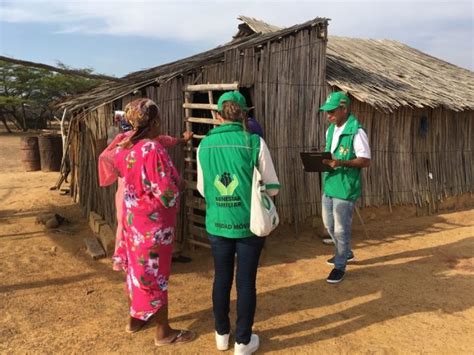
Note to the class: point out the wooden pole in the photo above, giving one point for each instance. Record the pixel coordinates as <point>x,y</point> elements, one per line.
<point>189,156</point>
<point>212,87</point>
<point>63,132</point>
<point>200,106</point>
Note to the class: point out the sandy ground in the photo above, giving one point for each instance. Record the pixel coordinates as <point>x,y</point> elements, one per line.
<point>410,291</point>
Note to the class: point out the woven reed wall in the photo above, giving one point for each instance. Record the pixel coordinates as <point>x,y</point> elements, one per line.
<point>419,156</point>
<point>286,82</point>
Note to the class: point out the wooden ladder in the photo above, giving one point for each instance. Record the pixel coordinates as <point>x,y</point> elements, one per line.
<point>195,205</point>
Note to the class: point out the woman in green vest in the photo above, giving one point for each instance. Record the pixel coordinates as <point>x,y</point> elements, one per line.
<point>225,161</point>
<point>348,143</point>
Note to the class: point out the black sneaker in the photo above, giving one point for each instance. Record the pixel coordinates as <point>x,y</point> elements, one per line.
<point>349,259</point>
<point>335,276</point>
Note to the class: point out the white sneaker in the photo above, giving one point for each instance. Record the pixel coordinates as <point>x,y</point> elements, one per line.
<point>250,348</point>
<point>222,341</point>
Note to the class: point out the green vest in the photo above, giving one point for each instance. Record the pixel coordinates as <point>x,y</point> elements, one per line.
<point>227,156</point>
<point>343,182</point>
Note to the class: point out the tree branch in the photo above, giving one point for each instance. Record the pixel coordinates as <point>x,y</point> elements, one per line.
<point>59,70</point>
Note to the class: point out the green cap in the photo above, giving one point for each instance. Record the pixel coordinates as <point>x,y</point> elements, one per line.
<point>232,96</point>
<point>335,100</point>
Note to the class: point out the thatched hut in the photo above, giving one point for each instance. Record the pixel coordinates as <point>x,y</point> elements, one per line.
<point>418,111</point>
<point>282,74</point>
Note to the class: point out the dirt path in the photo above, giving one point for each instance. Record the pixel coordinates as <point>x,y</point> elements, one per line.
<point>411,289</point>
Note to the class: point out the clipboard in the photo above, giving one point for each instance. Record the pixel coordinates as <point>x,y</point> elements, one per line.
<point>313,161</point>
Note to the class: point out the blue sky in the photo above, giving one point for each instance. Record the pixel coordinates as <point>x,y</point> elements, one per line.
<point>118,37</point>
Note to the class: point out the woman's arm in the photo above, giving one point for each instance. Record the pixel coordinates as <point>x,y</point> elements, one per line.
<point>107,170</point>
<point>200,176</point>
<point>267,170</point>
<point>169,141</point>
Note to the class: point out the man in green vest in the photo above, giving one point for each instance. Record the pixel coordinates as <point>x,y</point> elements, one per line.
<point>348,144</point>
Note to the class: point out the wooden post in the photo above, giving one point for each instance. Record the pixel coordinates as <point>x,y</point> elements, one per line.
<point>63,134</point>
<point>189,158</point>
<point>200,106</point>
<point>211,102</point>
<point>24,117</point>
<point>211,87</point>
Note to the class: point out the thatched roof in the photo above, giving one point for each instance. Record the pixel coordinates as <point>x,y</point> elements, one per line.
<point>382,73</point>
<point>388,74</point>
<point>251,25</point>
<point>111,91</point>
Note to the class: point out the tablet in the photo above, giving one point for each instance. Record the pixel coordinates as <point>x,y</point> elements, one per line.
<point>313,161</point>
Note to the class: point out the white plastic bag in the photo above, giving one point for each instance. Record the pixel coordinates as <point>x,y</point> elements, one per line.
<point>263,214</point>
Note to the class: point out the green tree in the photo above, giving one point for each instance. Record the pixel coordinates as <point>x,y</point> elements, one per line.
<point>26,93</point>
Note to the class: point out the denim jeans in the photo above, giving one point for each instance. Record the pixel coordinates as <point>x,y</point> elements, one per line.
<point>337,218</point>
<point>224,251</point>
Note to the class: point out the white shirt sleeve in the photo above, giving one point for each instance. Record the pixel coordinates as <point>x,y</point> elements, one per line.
<point>200,178</point>
<point>361,144</point>
<point>267,170</point>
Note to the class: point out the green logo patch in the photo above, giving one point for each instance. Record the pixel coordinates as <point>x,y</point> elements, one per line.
<point>226,184</point>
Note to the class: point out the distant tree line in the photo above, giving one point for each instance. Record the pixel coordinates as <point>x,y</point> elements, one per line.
<point>27,93</point>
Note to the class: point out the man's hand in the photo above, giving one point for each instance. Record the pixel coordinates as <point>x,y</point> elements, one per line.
<point>354,163</point>
<point>332,163</point>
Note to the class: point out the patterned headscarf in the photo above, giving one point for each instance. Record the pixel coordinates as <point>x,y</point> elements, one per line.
<point>137,112</point>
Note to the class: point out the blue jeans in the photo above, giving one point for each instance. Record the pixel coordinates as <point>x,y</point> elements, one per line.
<point>337,218</point>
<point>248,252</point>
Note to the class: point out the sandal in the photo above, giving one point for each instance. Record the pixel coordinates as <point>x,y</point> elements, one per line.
<point>183,336</point>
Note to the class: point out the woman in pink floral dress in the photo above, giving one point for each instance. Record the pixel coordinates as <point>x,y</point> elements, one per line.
<point>108,174</point>
<point>151,196</point>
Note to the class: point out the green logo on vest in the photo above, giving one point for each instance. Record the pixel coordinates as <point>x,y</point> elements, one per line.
<point>226,184</point>
<point>266,202</point>
<point>343,150</point>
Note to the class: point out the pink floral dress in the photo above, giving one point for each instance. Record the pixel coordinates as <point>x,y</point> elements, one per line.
<point>108,174</point>
<point>149,213</point>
